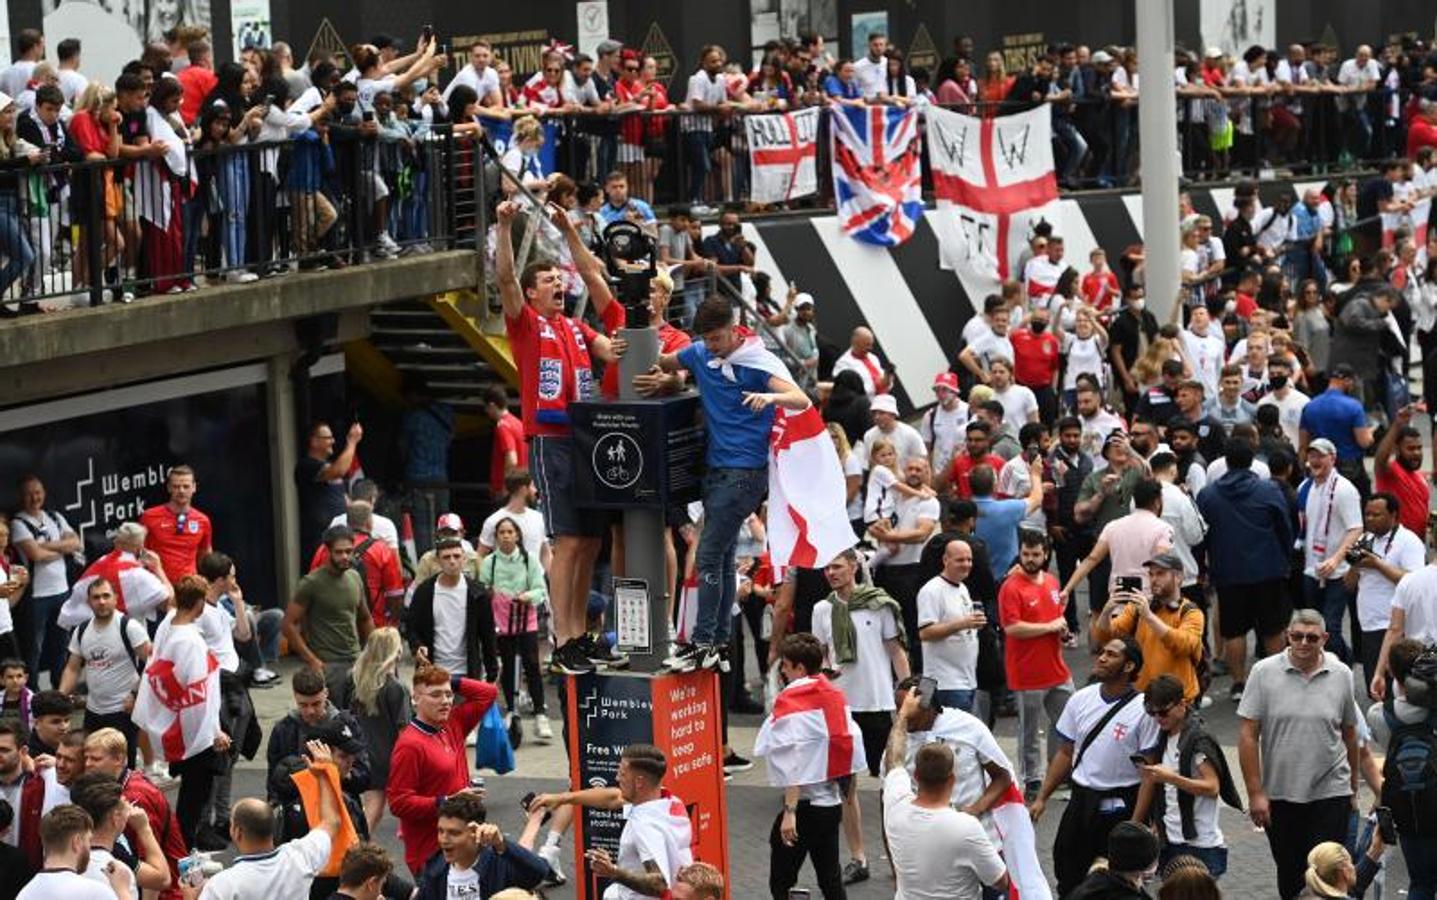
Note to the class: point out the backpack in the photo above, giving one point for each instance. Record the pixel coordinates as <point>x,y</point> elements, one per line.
<point>1203,670</point>
<point>1409,774</point>
<point>357,563</point>
<point>124,640</point>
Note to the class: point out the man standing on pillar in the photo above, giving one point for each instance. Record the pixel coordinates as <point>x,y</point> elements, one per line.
<point>552,354</point>
<point>739,384</point>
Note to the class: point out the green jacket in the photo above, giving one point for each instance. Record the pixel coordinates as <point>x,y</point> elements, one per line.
<point>864,596</point>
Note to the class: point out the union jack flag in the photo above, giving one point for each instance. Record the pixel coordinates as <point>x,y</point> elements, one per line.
<point>877,179</point>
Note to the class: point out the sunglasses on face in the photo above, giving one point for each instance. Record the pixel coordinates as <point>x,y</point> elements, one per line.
<point>1304,637</point>
<point>1159,712</point>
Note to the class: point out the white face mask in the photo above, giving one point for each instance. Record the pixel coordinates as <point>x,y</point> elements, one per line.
<point>1230,306</point>
<point>1138,305</point>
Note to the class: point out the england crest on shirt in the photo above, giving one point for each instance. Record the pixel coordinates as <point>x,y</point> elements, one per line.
<point>194,527</point>
<point>551,378</point>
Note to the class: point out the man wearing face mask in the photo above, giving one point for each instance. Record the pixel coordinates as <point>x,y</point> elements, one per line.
<point>1290,402</point>
<point>1133,329</point>
<point>1036,360</point>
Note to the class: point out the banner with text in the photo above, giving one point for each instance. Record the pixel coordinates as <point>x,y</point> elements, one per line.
<point>993,180</point>
<point>783,152</point>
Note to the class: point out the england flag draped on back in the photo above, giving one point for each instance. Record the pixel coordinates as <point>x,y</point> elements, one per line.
<point>810,737</point>
<point>877,177</point>
<point>993,180</point>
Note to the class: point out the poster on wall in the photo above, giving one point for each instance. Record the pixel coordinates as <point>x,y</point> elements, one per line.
<point>113,32</point>
<point>1235,25</point>
<point>250,25</point>
<point>593,18</point>
<point>774,19</point>
<point>861,25</point>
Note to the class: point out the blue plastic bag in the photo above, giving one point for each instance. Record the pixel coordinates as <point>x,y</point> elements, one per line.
<point>491,748</point>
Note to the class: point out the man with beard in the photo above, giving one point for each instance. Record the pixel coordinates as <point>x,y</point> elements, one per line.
<point>1102,728</point>
<point>1398,465</point>
<point>1071,540</point>
<point>975,453</point>
<point>1097,422</point>
<point>1157,402</point>
<point>1385,553</point>
<point>1192,468</point>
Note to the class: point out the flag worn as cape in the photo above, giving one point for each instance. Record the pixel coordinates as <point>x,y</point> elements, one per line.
<point>810,737</point>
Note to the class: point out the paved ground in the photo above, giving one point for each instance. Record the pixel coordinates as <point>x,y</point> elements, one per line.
<point>752,805</point>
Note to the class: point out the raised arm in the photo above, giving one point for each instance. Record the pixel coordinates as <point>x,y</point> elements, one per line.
<point>510,294</point>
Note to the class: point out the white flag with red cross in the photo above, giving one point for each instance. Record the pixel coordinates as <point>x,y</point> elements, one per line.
<point>993,180</point>
<point>782,154</point>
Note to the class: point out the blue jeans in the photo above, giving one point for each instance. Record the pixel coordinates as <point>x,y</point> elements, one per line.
<point>234,188</point>
<point>268,625</point>
<point>1215,858</point>
<point>730,496</point>
<point>697,145</point>
<point>1420,853</point>
<point>1331,599</point>
<point>14,245</point>
<point>956,699</point>
<point>1075,147</point>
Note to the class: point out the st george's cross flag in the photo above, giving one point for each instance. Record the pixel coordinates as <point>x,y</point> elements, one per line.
<point>806,489</point>
<point>783,155</point>
<point>810,737</point>
<point>178,703</point>
<point>877,175</point>
<point>993,179</point>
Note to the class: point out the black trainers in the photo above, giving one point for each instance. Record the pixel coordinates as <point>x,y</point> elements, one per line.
<point>599,652</point>
<point>570,659</point>
<point>686,657</point>
<point>735,763</point>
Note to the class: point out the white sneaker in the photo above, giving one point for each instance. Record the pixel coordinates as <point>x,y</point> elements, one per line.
<point>265,676</point>
<point>550,855</point>
<point>241,276</point>
<point>159,775</point>
<point>386,243</point>
<point>542,731</point>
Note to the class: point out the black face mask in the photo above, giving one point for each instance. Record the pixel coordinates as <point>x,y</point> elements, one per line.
<point>344,109</point>
<point>1038,325</point>
<point>1277,382</point>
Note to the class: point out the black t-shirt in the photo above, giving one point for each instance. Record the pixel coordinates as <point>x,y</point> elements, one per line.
<point>132,126</point>
<point>319,501</point>
<point>1373,192</point>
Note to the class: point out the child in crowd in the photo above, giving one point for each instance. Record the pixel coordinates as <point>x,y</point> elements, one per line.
<point>516,581</point>
<point>1100,286</point>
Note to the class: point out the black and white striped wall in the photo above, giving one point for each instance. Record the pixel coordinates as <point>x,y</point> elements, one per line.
<point>915,309</point>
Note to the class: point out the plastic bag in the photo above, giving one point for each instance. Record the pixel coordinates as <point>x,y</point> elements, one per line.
<point>492,749</point>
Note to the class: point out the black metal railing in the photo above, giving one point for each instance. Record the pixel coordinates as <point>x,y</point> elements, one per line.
<point>112,230</point>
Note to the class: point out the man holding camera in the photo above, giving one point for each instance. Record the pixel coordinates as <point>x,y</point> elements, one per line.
<point>1167,627</point>
<point>1384,553</point>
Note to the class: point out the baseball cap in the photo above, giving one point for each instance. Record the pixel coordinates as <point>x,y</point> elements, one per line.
<point>803,300</point>
<point>1102,56</point>
<point>1214,53</point>
<point>946,380</point>
<point>884,403</point>
<point>340,736</point>
<point>1323,446</point>
<point>1165,560</point>
<point>449,522</point>
<point>1340,370</point>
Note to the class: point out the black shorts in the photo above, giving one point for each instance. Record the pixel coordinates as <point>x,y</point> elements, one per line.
<point>1264,607</point>
<point>551,459</point>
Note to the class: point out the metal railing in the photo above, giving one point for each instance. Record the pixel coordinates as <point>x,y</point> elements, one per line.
<point>674,155</point>
<point>101,231</point>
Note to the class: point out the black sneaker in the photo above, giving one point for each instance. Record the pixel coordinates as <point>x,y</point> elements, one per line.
<point>570,659</point>
<point>601,653</point>
<point>735,763</point>
<point>1235,692</point>
<point>685,658</point>
<point>714,657</point>
<point>209,840</point>
<point>855,872</point>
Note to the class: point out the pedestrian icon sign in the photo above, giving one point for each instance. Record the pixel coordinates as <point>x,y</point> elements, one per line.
<point>618,460</point>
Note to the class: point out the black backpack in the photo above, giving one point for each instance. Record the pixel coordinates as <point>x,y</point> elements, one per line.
<point>356,562</point>
<point>124,640</point>
<point>1409,774</point>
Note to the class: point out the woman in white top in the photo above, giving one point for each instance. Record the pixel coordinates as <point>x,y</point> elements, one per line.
<point>13,579</point>
<point>1085,351</point>
<point>1065,301</point>
<point>376,77</point>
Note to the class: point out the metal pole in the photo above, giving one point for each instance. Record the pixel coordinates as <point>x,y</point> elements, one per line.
<point>644,528</point>
<point>1157,130</point>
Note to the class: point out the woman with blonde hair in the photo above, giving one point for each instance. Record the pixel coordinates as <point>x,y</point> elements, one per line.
<point>380,701</point>
<point>852,475</point>
<point>1148,370</point>
<point>1332,874</point>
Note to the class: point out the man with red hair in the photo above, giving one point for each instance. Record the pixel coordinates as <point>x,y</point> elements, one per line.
<point>429,763</point>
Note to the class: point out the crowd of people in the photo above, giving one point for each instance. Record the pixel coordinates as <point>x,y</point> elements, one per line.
<point>167,178</point>
<point>1234,493</point>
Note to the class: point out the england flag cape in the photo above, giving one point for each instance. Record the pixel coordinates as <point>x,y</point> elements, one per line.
<point>1008,816</point>
<point>807,496</point>
<point>179,698</point>
<point>667,820</point>
<point>138,593</point>
<point>810,737</point>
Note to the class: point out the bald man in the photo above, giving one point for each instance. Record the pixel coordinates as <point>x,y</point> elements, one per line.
<point>860,357</point>
<point>949,620</point>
